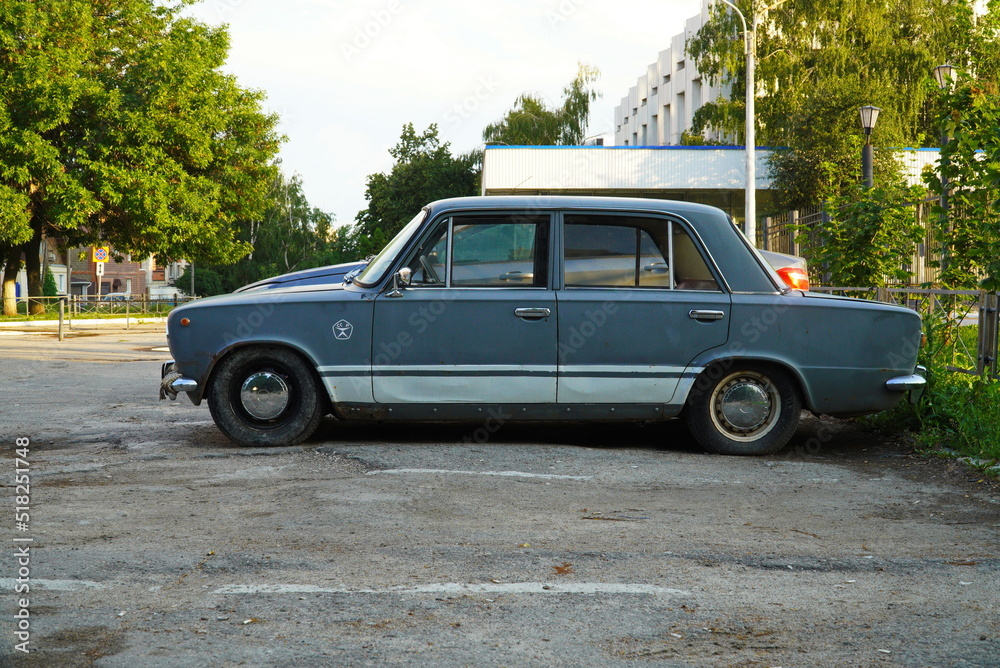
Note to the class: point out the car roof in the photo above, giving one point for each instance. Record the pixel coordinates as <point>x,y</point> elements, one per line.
<point>739,265</point>
<point>575,202</point>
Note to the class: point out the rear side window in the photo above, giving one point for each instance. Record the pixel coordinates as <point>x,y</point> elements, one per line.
<point>631,251</point>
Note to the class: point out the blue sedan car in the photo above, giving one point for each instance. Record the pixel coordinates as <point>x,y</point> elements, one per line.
<point>545,308</point>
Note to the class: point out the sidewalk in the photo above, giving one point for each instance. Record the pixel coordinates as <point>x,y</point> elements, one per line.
<point>147,323</point>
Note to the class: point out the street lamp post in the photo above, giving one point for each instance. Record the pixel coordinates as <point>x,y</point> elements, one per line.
<point>944,75</point>
<point>750,209</point>
<point>869,117</point>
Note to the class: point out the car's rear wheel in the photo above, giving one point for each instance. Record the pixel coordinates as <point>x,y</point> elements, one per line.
<point>265,396</point>
<point>744,410</point>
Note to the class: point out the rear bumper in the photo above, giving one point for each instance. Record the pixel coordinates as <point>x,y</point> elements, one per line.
<point>914,383</point>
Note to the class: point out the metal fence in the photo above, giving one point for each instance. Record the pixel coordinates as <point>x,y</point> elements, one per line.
<point>65,309</point>
<point>798,231</point>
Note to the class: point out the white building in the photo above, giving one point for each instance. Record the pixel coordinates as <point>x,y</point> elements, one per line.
<point>659,108</point>
<point>714,175</point>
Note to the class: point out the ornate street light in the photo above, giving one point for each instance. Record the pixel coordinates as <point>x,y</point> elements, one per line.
<point>869,117</point>
<point>944,75</point>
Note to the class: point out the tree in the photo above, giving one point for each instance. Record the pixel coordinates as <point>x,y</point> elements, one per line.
<point>969,231</point>
<point>117,126</point>
<point>870,236</point>
<point>425,170</point>
<point>532,123</point>
<point>818,61</point>
<point>291,235</point>
<point>49,288</point>
<point>207,282</point>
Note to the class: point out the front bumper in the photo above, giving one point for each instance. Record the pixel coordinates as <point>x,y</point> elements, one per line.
<point>914,383</point>
<point>172,382</point>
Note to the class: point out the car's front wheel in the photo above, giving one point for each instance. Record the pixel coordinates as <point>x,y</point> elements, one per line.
<point>743,410</point>
<point>265,396</point>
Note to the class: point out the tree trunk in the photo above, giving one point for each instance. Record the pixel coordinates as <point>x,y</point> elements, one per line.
<point>11,259</point>
<point>33,267</point>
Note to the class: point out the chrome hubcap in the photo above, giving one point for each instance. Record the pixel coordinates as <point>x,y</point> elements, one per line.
<point>745,405</point>
<point>264,395</point>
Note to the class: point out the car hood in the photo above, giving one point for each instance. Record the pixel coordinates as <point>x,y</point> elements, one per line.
<point>333,273</point>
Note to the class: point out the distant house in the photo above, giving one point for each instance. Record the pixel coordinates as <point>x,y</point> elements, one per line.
<point>75,273</point>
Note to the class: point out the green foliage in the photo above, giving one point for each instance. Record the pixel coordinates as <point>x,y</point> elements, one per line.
<point>957,411</point>
<point>291,235</point>
<point>49,288</point>
<point>207,282</point>
<point>532,123</point>
<point>689,138</point>
<point>970,232</point>
<point>818,61</point>
<point>117,125</point>
<point>869,237</point>
<point>424,171</point>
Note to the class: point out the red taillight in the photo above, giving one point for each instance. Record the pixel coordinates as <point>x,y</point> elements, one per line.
<point>795,277</point>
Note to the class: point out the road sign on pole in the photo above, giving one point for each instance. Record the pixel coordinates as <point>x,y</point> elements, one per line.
<point>101,253</point>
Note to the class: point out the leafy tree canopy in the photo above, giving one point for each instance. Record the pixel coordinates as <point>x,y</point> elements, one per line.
<point>290,236</point>
<point>532,123</point>
<point>118,126</point>
<point>818,61</point>
<point>424,171</point>
<point>969,229</point>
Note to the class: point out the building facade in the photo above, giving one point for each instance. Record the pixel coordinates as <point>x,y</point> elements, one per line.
<point>659,108</point>
<point>714,175</point>
<point>75,274</point>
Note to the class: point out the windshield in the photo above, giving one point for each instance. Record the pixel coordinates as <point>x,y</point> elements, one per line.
<point>376,269</point>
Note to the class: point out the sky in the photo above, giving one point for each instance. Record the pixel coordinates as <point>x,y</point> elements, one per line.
<point>344,77</point>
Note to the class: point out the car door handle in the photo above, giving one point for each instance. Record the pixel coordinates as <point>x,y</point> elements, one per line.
<point>657,268</point>
<point>706,315</point>
<point>517,276</point>
<point>532,313</point>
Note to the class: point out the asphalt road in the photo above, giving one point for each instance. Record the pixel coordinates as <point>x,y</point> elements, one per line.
<point>156,542</point>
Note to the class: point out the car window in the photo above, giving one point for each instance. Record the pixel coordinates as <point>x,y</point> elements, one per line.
<point>483,251</point>
<point>615,251</point>
<point>690,270</point>
<point>429,260</point>
<point>498,251</point>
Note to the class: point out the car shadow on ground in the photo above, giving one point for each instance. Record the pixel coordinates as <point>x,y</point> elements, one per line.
<point>815,438</point>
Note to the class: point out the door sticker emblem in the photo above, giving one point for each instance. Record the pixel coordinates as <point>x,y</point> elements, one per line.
<point>342,330</point>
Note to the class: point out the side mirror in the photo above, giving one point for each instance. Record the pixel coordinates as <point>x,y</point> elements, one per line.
<point>400,279</point>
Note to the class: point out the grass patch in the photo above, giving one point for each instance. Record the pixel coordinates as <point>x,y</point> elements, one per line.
<point>959,412</point>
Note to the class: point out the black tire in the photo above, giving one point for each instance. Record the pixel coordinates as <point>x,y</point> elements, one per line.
<point>747,409</point>
<point>281,406</point>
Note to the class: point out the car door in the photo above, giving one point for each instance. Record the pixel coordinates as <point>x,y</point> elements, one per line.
<point>477,322</point>
<point>637,303</point>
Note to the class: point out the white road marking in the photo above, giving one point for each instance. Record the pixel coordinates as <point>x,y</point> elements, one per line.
<point>464,588</point>
<point>502,474</point>
<point>54,585</point>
